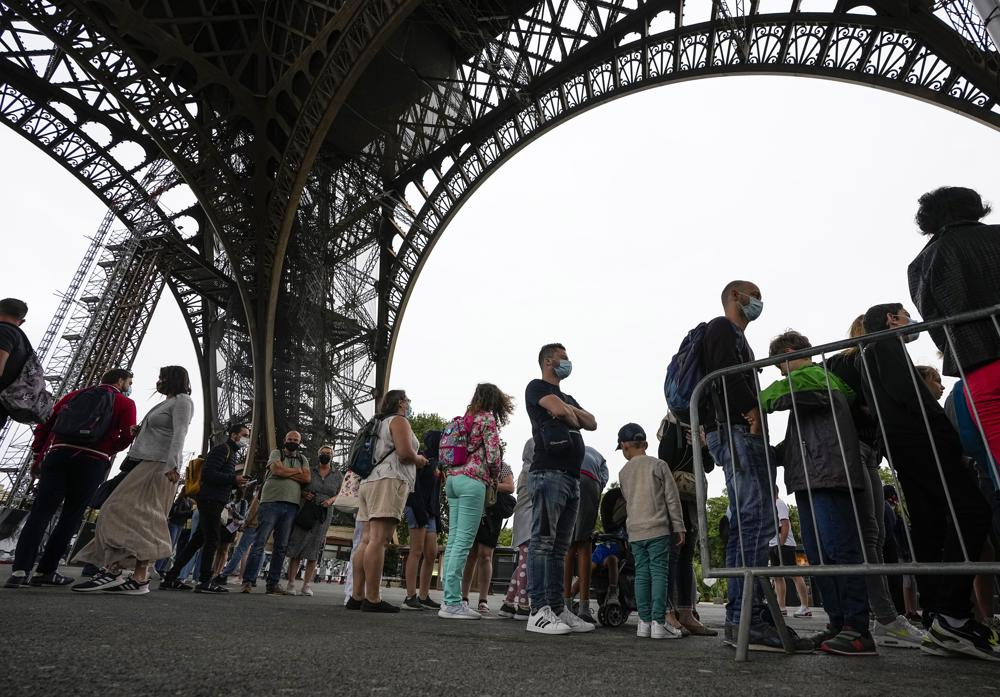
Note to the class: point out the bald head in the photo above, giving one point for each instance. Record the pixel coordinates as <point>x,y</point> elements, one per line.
<point>292,441</point>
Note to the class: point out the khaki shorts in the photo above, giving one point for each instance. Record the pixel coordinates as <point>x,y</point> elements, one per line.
<point>383,498</point>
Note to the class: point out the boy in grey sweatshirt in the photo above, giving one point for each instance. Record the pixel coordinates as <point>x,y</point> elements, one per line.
<point>654,515</point>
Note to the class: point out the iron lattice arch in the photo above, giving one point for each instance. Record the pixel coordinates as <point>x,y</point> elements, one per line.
<point>323,147</point>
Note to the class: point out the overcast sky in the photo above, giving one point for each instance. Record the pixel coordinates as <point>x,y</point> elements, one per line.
<point>613,234</point>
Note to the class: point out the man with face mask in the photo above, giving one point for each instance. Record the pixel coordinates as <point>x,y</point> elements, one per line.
<point>308,543</point>
<point>218,479</point>
<point>554,483</point>
<point>734,432</point>
<point>70,472</point>
<point>287,472</point>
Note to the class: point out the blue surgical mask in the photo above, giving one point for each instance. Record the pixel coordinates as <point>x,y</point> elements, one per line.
<point>753,308</point>
<point>409,411</point>
<point>128,391</point>
<point>564,369</point>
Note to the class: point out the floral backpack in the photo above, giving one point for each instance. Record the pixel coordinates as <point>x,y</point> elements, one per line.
<point>454,448</point>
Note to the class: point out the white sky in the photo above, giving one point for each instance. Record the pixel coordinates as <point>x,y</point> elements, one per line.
<point>613,234</point>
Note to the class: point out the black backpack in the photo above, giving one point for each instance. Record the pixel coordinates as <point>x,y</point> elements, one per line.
<point>85,419</point>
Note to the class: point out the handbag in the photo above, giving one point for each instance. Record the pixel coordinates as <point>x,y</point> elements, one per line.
<point>685,484</point>
<point>310,515</point>
<point>348,500</point>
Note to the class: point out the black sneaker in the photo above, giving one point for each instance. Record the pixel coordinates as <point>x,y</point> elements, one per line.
<point>819,637</point>
<point>584,614</point>
<point>507,611</point>
<point>17,579</point>
<point>276,589</point>
<point>380,606</point>
<point>971,638</point>
<point>850,643</point>
<point>412,603</point>
<point>764,637</point>
<point>130,587</point>
<point>220,580</point>
<point>353,604</point>
<point>522,613</point>
<point>53,579</point>
<point>210,587</point>
<point>104,579</point>
<point>429,604</point>
<point>173,584</point>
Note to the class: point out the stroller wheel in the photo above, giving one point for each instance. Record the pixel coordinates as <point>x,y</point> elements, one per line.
<point>602,617</point>
<point>614,615</point>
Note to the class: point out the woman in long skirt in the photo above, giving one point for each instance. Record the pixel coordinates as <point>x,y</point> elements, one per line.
<point>132,526</point>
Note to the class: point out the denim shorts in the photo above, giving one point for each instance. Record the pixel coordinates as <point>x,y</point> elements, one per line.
<point>411,521</point>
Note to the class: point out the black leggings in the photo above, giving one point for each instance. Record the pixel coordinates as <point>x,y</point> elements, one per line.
<point>206,538</point>
<point>680,583</point>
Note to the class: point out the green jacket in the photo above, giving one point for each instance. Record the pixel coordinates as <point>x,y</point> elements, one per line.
<point>821,444</point>
<point>810,377</point>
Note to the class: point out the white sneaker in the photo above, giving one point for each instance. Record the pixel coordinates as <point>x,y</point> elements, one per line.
<point>664,631</point>
<point>899,633</point>
<point>574,622</point>
<point>306,591</point>
<point>544,621</point>
<point>644,630</point>
<point>461,611</point>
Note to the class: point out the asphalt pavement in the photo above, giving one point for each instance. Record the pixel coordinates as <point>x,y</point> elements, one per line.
<point>171,643</point>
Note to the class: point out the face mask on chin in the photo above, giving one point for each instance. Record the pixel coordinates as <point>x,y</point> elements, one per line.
<point>291,446</point>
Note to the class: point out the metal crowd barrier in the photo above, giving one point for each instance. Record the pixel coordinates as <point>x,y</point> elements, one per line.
<point>752,575</point>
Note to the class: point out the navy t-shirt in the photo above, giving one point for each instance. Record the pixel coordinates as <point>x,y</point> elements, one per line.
<point>13,342</point>
<point>568,462</point>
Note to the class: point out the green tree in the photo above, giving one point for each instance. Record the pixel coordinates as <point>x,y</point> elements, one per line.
<point>422,423</point>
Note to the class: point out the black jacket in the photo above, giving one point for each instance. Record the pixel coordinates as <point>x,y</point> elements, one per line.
<point>724,345</point>
<point>814,433</point>
<point>959,271</point>
<point>845,367</point>
<point>218,473</point>
<point>426,497</point>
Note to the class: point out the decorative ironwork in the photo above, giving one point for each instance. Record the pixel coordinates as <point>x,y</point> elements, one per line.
<point>326,145</point>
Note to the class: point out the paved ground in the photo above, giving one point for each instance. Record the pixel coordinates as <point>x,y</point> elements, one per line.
<point>168,643</point>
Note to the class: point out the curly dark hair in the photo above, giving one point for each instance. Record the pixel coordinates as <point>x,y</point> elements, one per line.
<point>948,205</point>
<point>489,397</point>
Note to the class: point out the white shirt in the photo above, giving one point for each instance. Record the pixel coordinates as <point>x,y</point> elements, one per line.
<point>782,516</point>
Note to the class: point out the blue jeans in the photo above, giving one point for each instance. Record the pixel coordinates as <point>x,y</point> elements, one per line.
<point>163,564</point>
<point>466,497</point>
<point>555,498</point>
<point>652,562</point>
<point>189,568</point>
<point>246,540</point>
<point>277,517</point>
<point>835,534</point>
<point>751,507</point>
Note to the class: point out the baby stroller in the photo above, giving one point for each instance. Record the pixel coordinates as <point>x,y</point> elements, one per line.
<point>613,515</point>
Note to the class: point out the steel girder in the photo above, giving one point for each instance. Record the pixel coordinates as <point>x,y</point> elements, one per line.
<point>466,129</point>
<point>323,246</point>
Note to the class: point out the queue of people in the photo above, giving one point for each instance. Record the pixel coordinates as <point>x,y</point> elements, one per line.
<point>849,413</point>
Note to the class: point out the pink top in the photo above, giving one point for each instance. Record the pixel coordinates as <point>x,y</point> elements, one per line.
<point>484,462</point>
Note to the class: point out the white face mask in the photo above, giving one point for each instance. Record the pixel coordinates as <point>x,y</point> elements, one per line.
<point>243,442</point>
